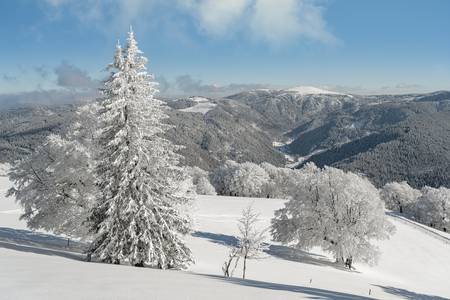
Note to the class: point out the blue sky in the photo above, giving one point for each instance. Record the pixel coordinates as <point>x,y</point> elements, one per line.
<point>196,46</point>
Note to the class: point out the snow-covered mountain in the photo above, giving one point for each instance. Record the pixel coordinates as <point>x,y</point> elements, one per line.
<point>369,134</point>
<point>310,90</point>
<point>286,109</point>
<point>36,265</point>
<point>365,134</point>
<point>300,90</point>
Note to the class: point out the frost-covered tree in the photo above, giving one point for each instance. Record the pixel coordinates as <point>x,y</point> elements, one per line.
<point>55,184</point>
<point>248,180</point>
<point>433,207</point>
<point>221,177</point>
<point>138,217</point>
<point>400,196</point>
<point>200,180</point>
<point>245,179</point>
<point>250,237</point>
<point>282,182</point>
<point>233,256</point>
<point>250,242</point>
<point>204,187</point>
<point>336,210</point>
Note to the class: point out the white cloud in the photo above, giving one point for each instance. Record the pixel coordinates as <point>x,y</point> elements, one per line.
<point>72,77</point>
<point>272,21</point>
<point>108,16</point>
<point>278,21</point>
<point>400,88</point>
<point>186,85</point>
<point>216,17</point>
<point>46,97</point>
<point>56,2</point>
<point>275,20</point>
<point>312,24</point>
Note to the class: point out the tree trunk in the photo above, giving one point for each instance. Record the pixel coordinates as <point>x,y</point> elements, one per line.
<point>226,271</point>
<point>139,264</point>
<point>245,267</point>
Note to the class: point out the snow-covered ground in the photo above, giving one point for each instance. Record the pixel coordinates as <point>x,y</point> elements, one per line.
<point>203,105</point>
<point>415,264</point>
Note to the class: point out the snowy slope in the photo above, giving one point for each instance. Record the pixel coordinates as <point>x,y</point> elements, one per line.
<point>414,264</point>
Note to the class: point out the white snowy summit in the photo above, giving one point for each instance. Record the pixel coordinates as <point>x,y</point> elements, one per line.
<point>310,90</point>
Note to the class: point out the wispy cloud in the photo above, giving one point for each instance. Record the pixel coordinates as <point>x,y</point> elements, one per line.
<point>45,97</point>
<point>42,71</point>
<point>274,22</point>
<point>216,17</point>
<point>56,2</point>
<point>72,77</point>
<point>400,88</point>
<point>186,85</point>
<point>8,78</point>
<point>284,20</point>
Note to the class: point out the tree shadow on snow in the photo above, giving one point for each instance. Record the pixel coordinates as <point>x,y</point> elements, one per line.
<point>279,251</point>
<point>309,292</point>
<point>222,239</point>
<point>297,255</point>
<point>39,243</point>
<point>405,294</point>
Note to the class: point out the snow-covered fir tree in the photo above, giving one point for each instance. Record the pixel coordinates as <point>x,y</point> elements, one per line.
<point>336,210</point>
<point>138,217</point>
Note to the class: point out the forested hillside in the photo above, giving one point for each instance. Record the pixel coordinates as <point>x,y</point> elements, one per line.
<point>386,137</point>
<point>23,129</point>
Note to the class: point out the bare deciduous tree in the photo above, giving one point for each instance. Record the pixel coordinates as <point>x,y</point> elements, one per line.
<point>250,242</point>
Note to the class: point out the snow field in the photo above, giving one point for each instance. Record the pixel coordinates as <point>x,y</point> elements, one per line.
<point>413,265</point>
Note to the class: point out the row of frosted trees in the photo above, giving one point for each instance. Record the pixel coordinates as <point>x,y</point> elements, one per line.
<point>430,206</point>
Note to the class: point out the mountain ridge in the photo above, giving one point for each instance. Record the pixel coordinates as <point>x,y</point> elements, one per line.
<point>355,133</point>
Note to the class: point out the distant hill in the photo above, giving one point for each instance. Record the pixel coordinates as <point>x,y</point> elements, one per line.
<point>23,129</point>
<point>386,137</point>
<point>392,141</point>
<point>229,130</point>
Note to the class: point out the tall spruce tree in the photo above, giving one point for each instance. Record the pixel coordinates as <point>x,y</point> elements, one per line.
<point>138,217</point>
